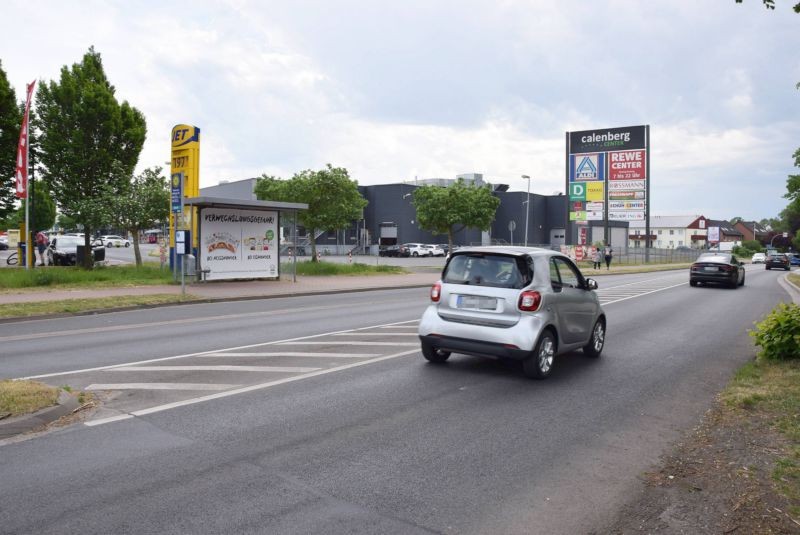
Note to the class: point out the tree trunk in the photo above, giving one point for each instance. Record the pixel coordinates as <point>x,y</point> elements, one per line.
<point>313,241</point>
<point>134,232</point>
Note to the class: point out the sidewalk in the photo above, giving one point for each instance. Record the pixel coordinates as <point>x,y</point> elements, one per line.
<point>232,290</point>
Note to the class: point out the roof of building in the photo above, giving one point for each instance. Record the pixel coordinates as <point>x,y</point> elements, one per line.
<point>725,227</point>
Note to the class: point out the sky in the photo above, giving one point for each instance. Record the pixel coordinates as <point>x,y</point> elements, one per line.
<point>395,91</point>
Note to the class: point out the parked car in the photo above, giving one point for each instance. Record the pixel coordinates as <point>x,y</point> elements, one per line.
<point>518,303</point>
<point>3,243</point>
<point>417,249</point>
<point>779,261</point>
<point>794,259</point>
<point>395,251</point>
<point>113,241</point>
<point>717,268</point>
<point>758,258</point>
<point>64,250</point>
<point>435,250</point>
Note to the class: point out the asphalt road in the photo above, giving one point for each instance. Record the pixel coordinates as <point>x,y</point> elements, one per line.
<point>390,445</point>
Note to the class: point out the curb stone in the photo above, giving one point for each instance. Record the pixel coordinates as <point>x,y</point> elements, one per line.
<point>28,422</point>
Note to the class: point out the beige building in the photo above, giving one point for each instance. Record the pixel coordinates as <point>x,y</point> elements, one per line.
<point>671,232</point>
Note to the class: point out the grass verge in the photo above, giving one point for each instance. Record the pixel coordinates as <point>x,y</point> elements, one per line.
<point>74,277</point>
<point>794,278</point>
<point>22,397</point>
<point>333,268</point>
<point>771,389</point>
<point>22,310</point>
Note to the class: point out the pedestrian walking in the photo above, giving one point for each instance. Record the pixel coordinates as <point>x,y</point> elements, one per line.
<point>41,245</point>
<point>608,253</point>
<point>595,258</point>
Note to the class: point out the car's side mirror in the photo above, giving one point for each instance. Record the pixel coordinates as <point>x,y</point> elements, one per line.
<point>591,284</point>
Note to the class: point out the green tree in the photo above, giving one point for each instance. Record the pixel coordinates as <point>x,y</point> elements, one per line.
<point>332,197</point>
<point>65,222</point>
<point>43,215</point>
<point>447,210</point>
<point>143,203</point>
<point>10,123</point>
<point>770,4</point>
<point>89,143</point>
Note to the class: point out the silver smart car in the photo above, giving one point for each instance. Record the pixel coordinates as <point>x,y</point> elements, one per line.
<point>520,303</point>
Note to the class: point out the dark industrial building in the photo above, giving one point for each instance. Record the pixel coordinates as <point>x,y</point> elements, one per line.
<point>390,207</point>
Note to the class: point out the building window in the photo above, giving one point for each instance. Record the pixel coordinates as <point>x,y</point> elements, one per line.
<point>671,232</point>
<point>680,242</point>
<point>659,231</point>
<point>702,223</point>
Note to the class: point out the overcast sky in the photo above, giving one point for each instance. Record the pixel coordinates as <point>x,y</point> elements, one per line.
<point>398,90</point>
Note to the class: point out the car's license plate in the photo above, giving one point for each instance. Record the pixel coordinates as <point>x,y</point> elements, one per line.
<point>476,302</point>
<point>710,268</point>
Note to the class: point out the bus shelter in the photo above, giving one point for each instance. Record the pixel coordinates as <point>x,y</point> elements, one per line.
<point>240,239</point>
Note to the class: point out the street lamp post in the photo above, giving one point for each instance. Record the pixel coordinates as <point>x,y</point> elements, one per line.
<point>527,207</point>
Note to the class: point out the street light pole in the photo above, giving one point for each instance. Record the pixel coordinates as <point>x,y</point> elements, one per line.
<point>527,207</point>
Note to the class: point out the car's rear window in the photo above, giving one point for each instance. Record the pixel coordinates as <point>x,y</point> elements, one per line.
<point>720,258</point>
<point>479,269</point>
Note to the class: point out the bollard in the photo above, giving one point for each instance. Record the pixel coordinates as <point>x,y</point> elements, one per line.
<point>350,258</point>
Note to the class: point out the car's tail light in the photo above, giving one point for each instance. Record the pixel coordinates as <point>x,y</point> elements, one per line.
<point>529,301</point>
<point>695,267</point>
<point>726,268</point>
<point>436,292</point>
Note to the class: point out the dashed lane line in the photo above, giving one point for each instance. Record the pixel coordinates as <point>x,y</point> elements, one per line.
<point>159,386</point>
<point>294,354</point>
<point>221,368</point>
<point>203,353</point>
<point>243,390</point>
<point>359,343</point>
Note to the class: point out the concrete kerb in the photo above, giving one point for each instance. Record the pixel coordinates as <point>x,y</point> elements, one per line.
<point>30,422</point>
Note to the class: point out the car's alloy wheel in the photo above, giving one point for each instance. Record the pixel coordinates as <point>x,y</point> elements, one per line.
<point>598,340</point>
<point>540,363</point>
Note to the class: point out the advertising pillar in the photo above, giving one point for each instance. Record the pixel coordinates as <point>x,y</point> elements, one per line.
<point>184,167</point>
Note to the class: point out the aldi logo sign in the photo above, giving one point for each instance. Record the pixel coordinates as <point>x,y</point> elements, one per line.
<point>587,167</point>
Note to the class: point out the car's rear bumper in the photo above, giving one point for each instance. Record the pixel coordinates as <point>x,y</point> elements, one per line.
<point>718,278</point>
<point>475,347</point>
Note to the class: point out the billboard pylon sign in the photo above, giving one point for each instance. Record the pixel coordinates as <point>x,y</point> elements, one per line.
<point>612,167</point>
<point>184,163</point>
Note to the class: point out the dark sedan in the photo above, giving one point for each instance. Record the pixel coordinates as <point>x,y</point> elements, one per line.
<point>64,250</point>
<point>719,268</point>
<point>778,261</point>
<point>395,251</point>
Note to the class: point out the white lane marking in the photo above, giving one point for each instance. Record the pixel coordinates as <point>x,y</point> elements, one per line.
<point>159,386</point>
<point>394,327</point>
<point>245,389</point>
<point>359,333</point>
<point>199,353</point>
<point>644,293</point>
<point>339,343</point>
<point>128,327</point>
<point>221,368</point>
<point>295,354</point>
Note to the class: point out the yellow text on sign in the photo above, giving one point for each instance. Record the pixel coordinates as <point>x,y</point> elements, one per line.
<point>594,191</point>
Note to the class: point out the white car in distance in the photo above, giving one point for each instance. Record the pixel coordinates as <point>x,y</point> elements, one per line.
<point>435,250</point>
<point>417,249</point>
<point>113,241</point>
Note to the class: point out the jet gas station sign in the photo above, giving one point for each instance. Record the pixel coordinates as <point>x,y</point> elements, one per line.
<point>608,169</point>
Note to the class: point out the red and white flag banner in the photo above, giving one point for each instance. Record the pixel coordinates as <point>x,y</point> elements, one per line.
<point>21,169</point>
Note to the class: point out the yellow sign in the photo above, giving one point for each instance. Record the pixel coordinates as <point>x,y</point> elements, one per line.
<point>185,142</point>
<point>594,191</point>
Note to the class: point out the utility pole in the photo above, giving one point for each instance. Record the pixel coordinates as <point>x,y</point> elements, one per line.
<point>527,207</point>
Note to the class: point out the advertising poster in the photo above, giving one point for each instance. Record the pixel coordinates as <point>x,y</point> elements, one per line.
<point>239,244</point>
<point>595,191</point>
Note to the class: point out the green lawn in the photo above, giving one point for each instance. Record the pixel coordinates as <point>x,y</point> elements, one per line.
<point>74,277</point>
<point>332,268</point>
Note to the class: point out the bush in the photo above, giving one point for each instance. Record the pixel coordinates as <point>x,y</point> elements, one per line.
<point>778,334</point>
